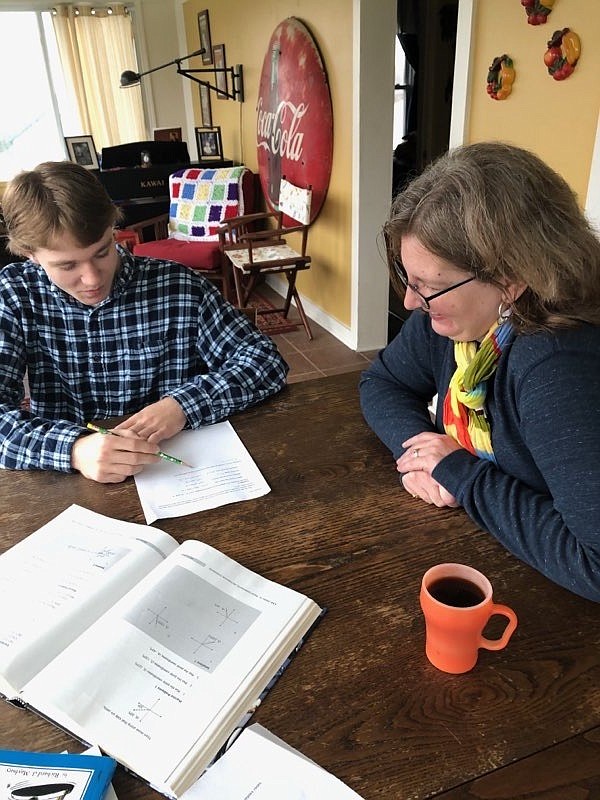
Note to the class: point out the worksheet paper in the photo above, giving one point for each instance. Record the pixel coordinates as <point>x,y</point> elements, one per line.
<point>221,471</point>
<point>260,766</point>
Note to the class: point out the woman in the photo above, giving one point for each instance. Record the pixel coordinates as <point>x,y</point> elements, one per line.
<point>502,272</point>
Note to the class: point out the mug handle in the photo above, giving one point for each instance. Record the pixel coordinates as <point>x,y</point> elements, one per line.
<point>498,644</point>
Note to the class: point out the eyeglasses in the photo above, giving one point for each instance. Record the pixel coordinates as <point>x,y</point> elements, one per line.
<point>403,277</point>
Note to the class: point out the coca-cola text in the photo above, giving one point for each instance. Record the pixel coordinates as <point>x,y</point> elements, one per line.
<point>278,131</point>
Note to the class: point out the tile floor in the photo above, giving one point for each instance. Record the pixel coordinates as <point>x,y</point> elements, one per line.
<point>324,355</point>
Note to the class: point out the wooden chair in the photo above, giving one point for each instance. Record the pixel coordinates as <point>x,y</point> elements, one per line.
<point>151,230</point>
<point>254,252</point>
<point>251,313</point>
<point>200,201</point>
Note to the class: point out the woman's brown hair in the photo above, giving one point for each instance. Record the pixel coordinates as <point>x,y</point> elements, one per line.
<point>503,215</point>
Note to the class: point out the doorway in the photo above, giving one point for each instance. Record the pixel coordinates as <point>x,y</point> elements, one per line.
<point>427,35</point>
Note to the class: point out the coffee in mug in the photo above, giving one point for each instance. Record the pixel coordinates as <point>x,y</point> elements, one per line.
<point>457,604</point>
<point>456,592</point>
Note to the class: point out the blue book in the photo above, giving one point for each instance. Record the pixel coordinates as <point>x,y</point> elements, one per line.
<point>54,776</point>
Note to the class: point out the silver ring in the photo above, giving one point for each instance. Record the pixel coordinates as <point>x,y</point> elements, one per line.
<point>416,452</point>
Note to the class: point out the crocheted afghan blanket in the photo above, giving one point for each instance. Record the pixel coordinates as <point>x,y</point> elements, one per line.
<point>201,199</point>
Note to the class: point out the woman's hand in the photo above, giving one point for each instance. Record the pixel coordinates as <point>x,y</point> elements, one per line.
<point>422,455</point>
<point>156,422</point>
<point>425,451</point>
<point>420,484</point>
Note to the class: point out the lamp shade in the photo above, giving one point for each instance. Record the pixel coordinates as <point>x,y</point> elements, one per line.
<point>129,78</point>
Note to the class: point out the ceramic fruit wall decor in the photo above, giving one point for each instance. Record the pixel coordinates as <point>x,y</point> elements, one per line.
<point>500,78</point>
<point>562,55</point>
<point>537,11</point>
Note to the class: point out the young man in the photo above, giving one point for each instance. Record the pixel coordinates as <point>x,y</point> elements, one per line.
<point>101,333</point>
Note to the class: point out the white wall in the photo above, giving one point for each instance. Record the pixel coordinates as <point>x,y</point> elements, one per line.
<point>156,30</point>
<point>373,80</point>
<point>592,205</point>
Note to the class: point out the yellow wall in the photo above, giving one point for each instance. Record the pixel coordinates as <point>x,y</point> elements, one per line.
<point>245,29</point>
<point>556,119</point>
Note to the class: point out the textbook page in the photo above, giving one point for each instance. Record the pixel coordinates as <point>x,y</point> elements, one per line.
<point>164,677</point>
<point>221,471</point>
<point>259,766</point>
<point>57,581</point>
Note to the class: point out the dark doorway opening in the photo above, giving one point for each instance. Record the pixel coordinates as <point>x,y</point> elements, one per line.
<point>427,33</point>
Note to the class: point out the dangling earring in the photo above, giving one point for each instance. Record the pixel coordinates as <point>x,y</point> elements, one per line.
<point>504,312</point>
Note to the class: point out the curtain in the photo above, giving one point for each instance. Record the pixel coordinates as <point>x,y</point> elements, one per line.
<point>95,48</point>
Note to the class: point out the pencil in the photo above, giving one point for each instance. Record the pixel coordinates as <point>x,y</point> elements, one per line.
<point>160,453</point>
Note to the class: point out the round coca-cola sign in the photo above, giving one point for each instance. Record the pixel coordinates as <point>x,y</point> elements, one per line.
<point>294,127</point>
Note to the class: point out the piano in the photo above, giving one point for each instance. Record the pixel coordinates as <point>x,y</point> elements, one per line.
<point>142,191</point>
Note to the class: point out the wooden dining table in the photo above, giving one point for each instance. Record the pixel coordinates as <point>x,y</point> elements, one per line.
<point>360,698</point>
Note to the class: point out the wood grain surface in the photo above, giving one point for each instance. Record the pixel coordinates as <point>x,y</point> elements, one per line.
<point>360,698</point>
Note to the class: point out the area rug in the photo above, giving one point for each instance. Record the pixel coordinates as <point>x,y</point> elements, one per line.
<point>271,324</point>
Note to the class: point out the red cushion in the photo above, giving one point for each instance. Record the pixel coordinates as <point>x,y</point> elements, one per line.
<point>197,255</point>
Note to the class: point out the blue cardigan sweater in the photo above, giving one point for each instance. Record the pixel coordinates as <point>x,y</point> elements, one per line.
<point>542,498</point>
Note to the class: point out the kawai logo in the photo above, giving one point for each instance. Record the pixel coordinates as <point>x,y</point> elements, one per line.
<point>294,124</point>
<point>152,184</point>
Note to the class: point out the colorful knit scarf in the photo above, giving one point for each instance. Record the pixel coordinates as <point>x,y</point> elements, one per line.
<point>464,405</point>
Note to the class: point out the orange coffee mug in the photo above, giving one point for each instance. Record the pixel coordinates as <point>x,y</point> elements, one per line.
<point>457,604</point>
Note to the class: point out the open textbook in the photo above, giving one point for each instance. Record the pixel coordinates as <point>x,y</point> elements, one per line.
<point>260,766</point>
<point>218,470</point>
<point>151,650</point>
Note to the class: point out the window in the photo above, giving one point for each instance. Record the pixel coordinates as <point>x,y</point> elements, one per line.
<point>39,101</point>
<point>31,127</point>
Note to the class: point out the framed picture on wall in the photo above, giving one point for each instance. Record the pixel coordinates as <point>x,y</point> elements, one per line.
<point>209,143</point>
<point>205,106</point>
<point>220,77</point>
<point>81,150</point>
<point>204,31</point>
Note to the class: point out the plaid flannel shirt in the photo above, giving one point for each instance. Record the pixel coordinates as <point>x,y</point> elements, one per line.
<point>163,331</point>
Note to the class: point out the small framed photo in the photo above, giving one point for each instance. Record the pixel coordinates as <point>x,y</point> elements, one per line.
<point>81,150</point>
<point>204,31</point>
<point>209,143</point>
<point>205,106</point>
<point>167,135</point>
<point>220,77</point>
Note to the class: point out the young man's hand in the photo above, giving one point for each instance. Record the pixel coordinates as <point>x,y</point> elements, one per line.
<point>156,422</point>
<point>110,459</point>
